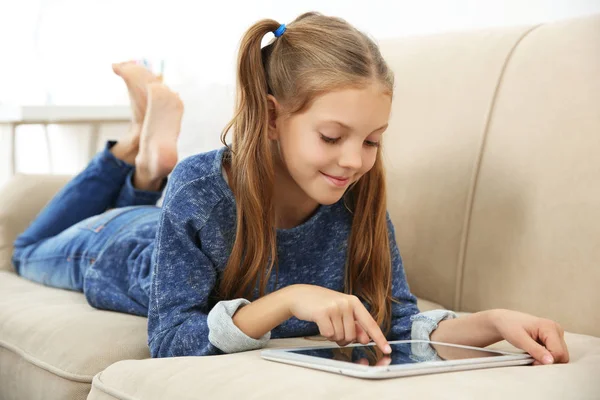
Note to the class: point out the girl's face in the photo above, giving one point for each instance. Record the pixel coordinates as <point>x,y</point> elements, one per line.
<point>334,142</point>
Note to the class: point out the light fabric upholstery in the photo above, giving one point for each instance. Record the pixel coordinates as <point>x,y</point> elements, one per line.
<point>443,97</point>
<point>52,342</point>
<point>21,379</point>
<point>534,235</point>
<point>247,376</point>
<point>21,199</point>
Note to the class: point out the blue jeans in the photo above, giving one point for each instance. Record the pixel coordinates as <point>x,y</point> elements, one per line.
<point>73,229</point>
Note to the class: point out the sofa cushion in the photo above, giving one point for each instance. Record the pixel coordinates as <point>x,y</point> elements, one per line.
<point>21,199</point>
<point>444,85</point>
<point>246,375</point>
<point>55,336</point>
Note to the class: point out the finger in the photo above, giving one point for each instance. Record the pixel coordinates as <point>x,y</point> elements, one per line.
<point>369,325</point>
<point>338,327</point>
<point>363,361</point>
<point>361,335</point>
<point>325,327</point>
<point>349,325</point>
<point>566,356</point>
<point>537,351</point>
<point>342,343</point>
<point>554,344</point>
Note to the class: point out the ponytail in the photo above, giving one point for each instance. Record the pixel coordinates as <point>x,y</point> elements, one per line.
<point>254,250</point>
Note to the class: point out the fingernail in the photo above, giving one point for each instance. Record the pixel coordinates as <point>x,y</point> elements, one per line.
<point>388,349</point>
<point>547,359</point>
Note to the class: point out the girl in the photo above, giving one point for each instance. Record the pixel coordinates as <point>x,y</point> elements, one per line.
<point>283,233</point>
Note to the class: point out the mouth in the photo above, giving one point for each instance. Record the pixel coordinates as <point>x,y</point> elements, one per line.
<point>338,181</point>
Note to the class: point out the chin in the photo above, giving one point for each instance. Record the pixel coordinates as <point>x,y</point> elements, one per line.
<point>326,197</point>
<point>328,201</point>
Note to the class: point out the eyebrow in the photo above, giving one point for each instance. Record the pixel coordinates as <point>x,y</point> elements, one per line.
<point>349,128</point>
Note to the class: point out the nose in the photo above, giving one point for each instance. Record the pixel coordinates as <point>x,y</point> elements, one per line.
<point>351,157</point>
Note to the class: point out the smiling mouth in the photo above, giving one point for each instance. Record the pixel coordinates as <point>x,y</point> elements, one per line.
<point>336,180</point>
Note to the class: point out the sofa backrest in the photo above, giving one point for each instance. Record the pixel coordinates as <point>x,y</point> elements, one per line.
<point>493,168</point>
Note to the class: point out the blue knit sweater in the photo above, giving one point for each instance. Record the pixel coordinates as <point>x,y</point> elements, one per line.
<point>174,266</point>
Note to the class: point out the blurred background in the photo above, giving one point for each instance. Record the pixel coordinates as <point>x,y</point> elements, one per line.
<point>57,54</point>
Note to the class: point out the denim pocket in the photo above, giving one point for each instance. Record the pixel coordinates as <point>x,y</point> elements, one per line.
<point>100,221</point>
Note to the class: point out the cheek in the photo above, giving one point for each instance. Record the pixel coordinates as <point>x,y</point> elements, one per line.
<point>312,151</point>
<point>302,153</point>
<point>369,161</point>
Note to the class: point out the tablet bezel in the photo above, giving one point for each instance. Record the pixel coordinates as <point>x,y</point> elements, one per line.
<point>377,372</point>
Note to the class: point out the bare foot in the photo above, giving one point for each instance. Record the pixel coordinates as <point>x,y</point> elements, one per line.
<point>157,155</point>
<point>137,78</point>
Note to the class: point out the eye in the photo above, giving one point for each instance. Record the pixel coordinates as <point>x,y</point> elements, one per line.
<point>328,139</point>
<point>371,143</point>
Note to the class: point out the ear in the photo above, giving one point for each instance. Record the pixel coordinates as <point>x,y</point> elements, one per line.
<point>274,109</point>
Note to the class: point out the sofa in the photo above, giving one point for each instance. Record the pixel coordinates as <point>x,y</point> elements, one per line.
<point>494,189</point>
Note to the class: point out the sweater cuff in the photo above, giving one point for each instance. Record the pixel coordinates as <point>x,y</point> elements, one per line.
<point>422,326</point>
<point>225,335</point>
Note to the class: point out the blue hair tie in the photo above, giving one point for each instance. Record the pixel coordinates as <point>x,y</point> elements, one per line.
<point>280,30</point>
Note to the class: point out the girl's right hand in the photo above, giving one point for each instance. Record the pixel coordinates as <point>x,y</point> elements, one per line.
<point>340,317</point>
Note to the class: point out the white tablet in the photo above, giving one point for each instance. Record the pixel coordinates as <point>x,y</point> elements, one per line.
<point>408,358</point>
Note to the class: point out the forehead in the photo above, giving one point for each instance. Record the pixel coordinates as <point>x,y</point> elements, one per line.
<point>359,108</point>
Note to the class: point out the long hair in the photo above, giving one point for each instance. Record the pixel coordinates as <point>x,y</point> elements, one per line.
<point>316,54</point>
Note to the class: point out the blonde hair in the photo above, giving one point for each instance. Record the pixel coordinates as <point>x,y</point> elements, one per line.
<point>316,54</point>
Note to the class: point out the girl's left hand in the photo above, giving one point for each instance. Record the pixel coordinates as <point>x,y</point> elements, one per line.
<point>531,334</point>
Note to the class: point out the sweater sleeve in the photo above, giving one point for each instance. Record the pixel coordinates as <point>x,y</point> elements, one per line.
<point>180,322</point>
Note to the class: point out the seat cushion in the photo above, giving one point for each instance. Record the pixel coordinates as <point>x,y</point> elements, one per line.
<point>246,375</point>
<point>52,342</point>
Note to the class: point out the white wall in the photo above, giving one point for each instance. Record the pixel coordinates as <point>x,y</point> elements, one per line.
<point>64,47</point>
<point>59,51</point>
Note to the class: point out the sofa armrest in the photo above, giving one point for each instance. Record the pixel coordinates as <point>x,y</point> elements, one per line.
<point>21,199</point>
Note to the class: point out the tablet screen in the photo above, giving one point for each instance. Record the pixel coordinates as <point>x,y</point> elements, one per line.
<point>402,353</point>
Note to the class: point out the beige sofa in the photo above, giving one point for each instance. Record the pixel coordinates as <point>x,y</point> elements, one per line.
<point>494,181</point>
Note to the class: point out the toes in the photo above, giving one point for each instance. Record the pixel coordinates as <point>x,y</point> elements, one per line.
<point>118,67</point>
